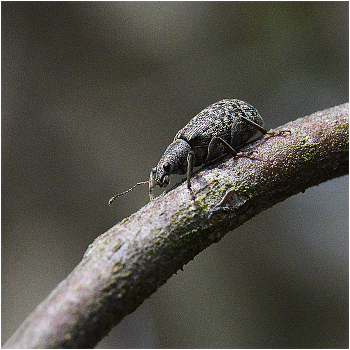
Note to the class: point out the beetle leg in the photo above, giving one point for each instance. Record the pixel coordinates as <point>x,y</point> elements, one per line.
<point>280,133</point>
<point>191,159</point>
<point>257,126</point>
<point>213,144</point>
<point>263,130</point>
<point>152,183</point>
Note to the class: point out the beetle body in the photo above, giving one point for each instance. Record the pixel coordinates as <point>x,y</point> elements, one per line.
<point>221,128</point>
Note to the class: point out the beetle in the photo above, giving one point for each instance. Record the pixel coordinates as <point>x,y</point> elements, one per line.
<point>223,127</point>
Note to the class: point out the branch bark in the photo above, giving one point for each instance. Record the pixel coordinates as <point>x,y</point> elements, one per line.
<point>126,264</point>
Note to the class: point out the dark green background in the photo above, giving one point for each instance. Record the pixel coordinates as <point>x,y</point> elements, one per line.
<point>92,93</point>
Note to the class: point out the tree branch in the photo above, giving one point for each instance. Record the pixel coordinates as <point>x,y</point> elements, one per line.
<point>126,264</point>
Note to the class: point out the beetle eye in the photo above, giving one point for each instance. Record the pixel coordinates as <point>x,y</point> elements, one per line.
<point>167,167</point>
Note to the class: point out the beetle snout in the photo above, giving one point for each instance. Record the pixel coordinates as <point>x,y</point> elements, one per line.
<point>164,181</point>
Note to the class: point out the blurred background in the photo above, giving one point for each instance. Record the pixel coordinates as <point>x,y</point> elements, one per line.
<point>93,93</point>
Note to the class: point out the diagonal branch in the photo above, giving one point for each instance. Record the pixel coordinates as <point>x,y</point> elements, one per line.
<point>126,264</point>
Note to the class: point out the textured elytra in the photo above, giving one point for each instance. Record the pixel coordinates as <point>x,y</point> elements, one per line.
<point>223,119</point>
<point>223,127</point>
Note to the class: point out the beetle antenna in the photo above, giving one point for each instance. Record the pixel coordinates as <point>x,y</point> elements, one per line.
<point>125,192</point>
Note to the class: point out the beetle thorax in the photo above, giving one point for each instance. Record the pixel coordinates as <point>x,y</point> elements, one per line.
<point>173,161</point>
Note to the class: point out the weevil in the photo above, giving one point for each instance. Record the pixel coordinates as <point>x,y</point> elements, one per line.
<point>223,127</point>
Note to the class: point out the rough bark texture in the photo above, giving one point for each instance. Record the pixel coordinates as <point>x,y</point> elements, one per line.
<point>126,264</point>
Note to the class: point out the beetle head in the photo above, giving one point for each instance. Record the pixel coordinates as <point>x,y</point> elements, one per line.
<point>173,161</point>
